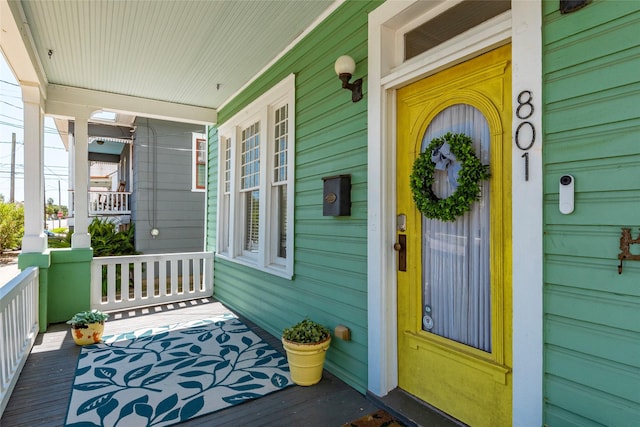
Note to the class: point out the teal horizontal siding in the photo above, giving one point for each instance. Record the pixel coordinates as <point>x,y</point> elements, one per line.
<point>591,125</point>
<point>330,264</point>
<point>591,404</point>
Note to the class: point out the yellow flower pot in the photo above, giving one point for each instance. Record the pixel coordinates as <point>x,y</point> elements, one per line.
<point>306,361</point>
<point>90,333</point>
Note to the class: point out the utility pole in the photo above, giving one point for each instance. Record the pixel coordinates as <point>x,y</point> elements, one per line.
<point>12,192</point>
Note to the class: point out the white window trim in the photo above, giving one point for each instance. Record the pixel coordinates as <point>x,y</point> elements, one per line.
<point>259,110</point>
<point>194,163</point>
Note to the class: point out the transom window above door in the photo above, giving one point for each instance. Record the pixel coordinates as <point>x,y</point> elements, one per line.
<point>464,16</point>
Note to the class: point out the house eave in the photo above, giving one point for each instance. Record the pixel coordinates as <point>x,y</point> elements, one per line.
<point>69,101</point>
<point>18,46</point>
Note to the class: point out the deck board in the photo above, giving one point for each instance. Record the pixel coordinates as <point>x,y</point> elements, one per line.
<point>42,393</point>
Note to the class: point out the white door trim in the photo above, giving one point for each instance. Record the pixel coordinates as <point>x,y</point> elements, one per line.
<point>522,27</point>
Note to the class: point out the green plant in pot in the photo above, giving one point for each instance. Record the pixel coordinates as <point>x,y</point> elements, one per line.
<point>87,326</point>
<point>306,344</point>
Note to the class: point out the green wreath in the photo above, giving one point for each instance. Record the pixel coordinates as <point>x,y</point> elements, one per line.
<point>472,172</point>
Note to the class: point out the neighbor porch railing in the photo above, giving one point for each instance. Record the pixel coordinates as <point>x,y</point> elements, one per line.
<point>18,328</point>
<point>109,203</point>
<point>121,282</point>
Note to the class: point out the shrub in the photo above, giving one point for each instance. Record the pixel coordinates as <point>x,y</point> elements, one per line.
<point>306,332</point>
<point>86,317</point>
<point>107,241</point>
<point>11,226</point>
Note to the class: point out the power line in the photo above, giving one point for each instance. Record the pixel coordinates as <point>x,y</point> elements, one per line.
<point>49,147</point>
<point>11,105</point>
<point>10,117</point>
<point>57,176</point>
<point>9,83</point>
<point>53,172</point>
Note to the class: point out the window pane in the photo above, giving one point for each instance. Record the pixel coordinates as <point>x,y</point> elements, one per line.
<point>201,162</point>
<point>282,220</point>
<point>201,171</point>
<point>250,172</point>
<point>227,166</point>
<point>252,220</point>
<point>226,210</point>
<point>451,23</point>
<point>280,145</point>
<point>201,148</point>
<point>456,255</point>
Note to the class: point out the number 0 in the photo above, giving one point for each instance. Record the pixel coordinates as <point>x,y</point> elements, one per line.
<point>533,136</point>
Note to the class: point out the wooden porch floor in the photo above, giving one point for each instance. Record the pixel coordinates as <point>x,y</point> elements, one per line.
<point>42,393</point>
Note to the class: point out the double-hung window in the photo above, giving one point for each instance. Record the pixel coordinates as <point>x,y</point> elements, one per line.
<point>256,146</point>
<point>199,169</point>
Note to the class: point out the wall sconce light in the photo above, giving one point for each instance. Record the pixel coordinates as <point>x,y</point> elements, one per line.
<point>345,66</point>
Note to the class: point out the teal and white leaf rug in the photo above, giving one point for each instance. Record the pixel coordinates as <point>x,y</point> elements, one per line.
<point>166,375</point>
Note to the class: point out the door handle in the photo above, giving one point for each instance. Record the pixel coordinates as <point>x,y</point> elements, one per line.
<point>401,247</point>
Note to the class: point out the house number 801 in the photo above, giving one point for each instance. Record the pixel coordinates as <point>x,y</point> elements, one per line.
<point>525,135</point>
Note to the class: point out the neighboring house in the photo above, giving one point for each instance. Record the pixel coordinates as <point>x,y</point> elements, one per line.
<point>167,186</point>
<point>517,313</point>
<point>150,173</point>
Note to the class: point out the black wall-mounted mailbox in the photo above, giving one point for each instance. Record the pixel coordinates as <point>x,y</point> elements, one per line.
<point>568,6</point>
<point>336,195</point>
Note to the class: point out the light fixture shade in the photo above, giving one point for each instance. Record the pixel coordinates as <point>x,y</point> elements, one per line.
<point>345,65</point>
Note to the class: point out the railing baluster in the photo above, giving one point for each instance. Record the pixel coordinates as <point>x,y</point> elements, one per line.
<point>137,280</point>
<point>151,280</point>
<point>162,277</point>
<point>18,328</point>
<point>111,283</point>
<point>108,202</point>
<point>174,276</point>
<point>177,277</point>
<point>185,275</point>
<point>124,281</point>
<point>197,287</point>
<point>208,275</point>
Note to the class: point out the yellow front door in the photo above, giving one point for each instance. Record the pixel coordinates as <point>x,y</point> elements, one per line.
<point>454,295</point>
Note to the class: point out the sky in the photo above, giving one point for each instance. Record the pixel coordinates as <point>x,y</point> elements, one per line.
<point>11,121</point>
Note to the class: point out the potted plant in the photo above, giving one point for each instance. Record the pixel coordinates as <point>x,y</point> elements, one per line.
<point>87,326</point>
<point>306,344</point>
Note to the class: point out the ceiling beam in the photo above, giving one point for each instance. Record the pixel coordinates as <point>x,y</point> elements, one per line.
<point>18,47</point>
<point>67,101</point>
<point>104,157</point>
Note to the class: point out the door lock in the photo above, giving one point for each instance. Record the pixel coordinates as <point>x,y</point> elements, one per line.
<point>401,247</point>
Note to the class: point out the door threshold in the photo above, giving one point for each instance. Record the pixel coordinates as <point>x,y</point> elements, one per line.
<point>412,411</point>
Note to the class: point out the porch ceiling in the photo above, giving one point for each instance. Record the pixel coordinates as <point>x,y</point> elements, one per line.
<point>194,53</point>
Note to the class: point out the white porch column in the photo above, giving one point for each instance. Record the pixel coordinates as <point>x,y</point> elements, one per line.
<point>81,237</point>
<point>72,177</point>
<point>34,240</point>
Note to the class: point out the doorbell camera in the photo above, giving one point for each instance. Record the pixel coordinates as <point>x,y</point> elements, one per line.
<point>567,191</point>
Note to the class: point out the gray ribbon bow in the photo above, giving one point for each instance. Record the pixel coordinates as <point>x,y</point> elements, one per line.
<point>446,160</point>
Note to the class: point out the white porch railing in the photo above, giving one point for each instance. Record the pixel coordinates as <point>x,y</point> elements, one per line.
<point>109,203</point>
<point>18,328</point>
<point>121,282</point>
